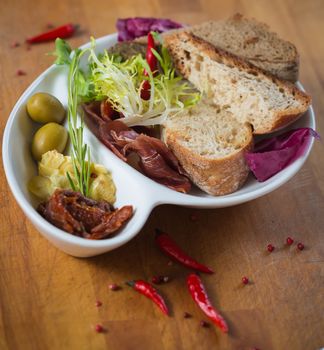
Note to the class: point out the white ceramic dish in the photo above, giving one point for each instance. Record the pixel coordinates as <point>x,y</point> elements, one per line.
<point>132,187</point>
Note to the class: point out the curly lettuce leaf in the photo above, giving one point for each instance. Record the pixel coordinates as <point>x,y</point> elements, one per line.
<point>121,82</point>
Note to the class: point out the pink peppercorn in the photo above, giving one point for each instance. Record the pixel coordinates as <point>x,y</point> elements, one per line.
<point>186,315</point>
<point>245,280</point>
<point>15,44</point>
<point>204,324</point>
<point>20,72</point>
<point>98,303</point>
<point>270,248</point>
<point>289,241</point>
<point>160,279</point>
<point>300,246</point>
<point>99,328</point>
<point>113,287</point>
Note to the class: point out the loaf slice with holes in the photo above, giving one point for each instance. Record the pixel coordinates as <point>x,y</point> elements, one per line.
<point>254,42</point>
<point>250,94</point>
<point>251,40</point>
<point>210,144</point>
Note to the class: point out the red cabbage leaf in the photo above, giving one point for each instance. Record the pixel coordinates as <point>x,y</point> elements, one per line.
<point>131,28</point>
<point>274,154</point>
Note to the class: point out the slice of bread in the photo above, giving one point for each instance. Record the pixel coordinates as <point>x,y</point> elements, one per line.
<point>254,42</point>
<point>249,39</point>
<point>249,93</point>
<point>210,144</point>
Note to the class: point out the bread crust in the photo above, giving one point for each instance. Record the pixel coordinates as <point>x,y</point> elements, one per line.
<point>283,69</point>
<point>231,60</point>
<point>215,176</point>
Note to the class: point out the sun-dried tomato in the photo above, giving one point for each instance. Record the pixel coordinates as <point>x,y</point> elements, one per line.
<point>82,216</point>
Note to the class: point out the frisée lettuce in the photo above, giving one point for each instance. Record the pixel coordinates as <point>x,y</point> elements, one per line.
<point>120,82</point>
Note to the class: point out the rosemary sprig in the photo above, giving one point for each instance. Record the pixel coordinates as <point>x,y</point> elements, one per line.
<point>80,151</point>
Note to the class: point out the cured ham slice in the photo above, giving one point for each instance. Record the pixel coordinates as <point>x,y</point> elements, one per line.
<point>155,160</point>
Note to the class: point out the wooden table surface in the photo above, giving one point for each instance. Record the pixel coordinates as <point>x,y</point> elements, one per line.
<point>47,298</point>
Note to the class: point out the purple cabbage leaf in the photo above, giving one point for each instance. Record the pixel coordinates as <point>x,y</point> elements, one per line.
<point>275,153</point>
<point>131,28</point>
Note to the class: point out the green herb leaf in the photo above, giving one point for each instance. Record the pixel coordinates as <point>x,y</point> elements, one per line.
<point>62,52</point>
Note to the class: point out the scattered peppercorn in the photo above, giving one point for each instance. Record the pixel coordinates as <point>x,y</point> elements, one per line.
<point>186,315</point>
<point>98,303</point>
<point>300,246</point>
<point>270,248</point>
<point>49,25</point>
<point>20,72</point>
<point>99,328</point>
<point>289,241</point>
<point>204,324</point>
<point>160,279</point>
<point>113,287</point>
<point>245,280</point>
<point>15,44</point>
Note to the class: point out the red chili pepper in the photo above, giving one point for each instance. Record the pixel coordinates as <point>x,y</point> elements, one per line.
<point>152,62</point>
<point>150,292</point>
<point>60,32</point>
<point>150,58</point>
<point>170,247</point>
<point>199,295</point>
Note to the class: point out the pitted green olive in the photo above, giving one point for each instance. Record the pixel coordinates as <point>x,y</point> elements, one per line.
<point>45,108</point>
<point>49,137</point>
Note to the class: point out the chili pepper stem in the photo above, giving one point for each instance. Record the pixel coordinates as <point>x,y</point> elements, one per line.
<point>130,283</point>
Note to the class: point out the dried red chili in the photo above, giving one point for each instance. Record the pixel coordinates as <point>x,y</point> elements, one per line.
<point>150,292</point>
<point>152,62</point>
<point>170,247</point>
<point>62,32</point>
<point>199,295</point>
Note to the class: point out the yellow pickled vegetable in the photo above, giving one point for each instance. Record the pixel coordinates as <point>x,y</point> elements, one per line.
<point>102,187</point>
<point>52,175</point>
<point>41,187</point>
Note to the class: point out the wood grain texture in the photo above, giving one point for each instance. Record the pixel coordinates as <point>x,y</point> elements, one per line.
<point>47,299</point>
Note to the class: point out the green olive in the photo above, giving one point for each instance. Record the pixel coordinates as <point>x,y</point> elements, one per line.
<point>49,137</point>
<point>45,108</point>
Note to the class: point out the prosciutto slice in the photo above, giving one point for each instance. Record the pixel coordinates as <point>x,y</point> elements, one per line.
<point>155,160</point>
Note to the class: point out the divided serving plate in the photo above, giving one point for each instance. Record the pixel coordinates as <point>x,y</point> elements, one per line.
<point>132,187</point>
